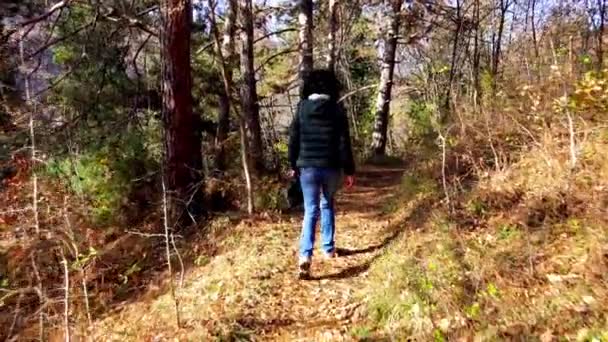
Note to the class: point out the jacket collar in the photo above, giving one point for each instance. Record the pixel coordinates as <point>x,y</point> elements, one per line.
<point>315,97</point>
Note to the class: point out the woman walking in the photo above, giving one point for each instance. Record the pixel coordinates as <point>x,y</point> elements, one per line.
<point>319,152</point>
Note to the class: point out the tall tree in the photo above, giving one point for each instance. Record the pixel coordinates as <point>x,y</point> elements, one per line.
<point>226,55</point>
<point>333,32</point>
<point>477,51</point>
<point>497,36</point>
<point>383,102</point>
<point>601,8</point>
<point>533,25</point>
<point>183,166</point>
<point>227,51</point>
<point>305,11</point>
<point>454,60</point>
<point>249,95</point>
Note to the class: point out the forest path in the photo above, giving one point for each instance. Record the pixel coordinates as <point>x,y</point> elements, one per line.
<point>251,290</point>
<point>323,309</point>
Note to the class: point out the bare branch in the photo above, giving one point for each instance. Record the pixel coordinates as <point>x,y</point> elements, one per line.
<point>148,10</point>
<point>181,262</point>
<point>66,298</point>
<point>168,252</point>
<point>132,22</point>
<point>204,48</point>
<point>132,232</point>
<point>17,311</point>
<point>274,56</point>
<point>138,52</point>
<point>349,94</point>
<point>56,7</point>
<point>63,38</point>
<point>275,33</point>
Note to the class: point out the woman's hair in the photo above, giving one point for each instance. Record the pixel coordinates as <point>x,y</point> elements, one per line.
<point>321,81</point>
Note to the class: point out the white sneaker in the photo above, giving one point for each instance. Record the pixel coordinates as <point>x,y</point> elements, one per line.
<point>330,255</point>
<point>304,267</point>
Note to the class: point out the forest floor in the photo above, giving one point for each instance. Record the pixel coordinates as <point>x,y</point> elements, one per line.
<point>521,255</point>
<point>250,290</point>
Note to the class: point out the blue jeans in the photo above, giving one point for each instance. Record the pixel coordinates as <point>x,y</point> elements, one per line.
<point>319,185</point>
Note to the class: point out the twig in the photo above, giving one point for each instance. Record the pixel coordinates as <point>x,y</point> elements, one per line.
<point>274,56</point>
<point>148,10</point>
<point>443,168</point>
<point>17,312</point>
<point>85,291</point>
<point>82,270</point>
<point>132,232</point>
<point>181,262</point>
<point>66,296</point>
<point>168,252</point>
<point>275,33</point>
<point>15,211</point>
<point>41,297</point>
<point>33,141</point>
<point>56,7</point>
<point>491,141</point>
<point>573,154</point>
<point>204,48</point>
<point>59,79</point>
<point>245,162</point>
<point>351,93</point>
<point>139,50</point>
<point>131,22</point>
<point>62,38</point>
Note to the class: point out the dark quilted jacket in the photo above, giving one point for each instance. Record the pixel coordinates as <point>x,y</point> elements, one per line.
<point>319,137</point>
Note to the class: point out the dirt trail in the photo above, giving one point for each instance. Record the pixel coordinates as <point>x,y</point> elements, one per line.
<point>251,290</point>
<point>327,305</point>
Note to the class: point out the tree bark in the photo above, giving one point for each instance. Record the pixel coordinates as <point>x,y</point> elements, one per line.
<point>477,53</point>
<point>504,7</point>
<point>333,32</point>
<point>448,96</point>
<point>601,6</point>
<point>533,23</point>
<point>227,51</point>
<point>227,73</point>
<point>305,11</point>
<point>249,95</point>
<point>386,83</point>
<point>183,155</point>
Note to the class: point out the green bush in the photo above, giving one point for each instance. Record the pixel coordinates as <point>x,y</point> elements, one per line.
<point>104,175</point>
<point>421,116</point>
<point>270,196</point>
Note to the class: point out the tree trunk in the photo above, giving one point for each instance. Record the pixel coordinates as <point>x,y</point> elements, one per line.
<point>386,83</point>
<point>533,23</point>
<point>601,6</point>
<point>227,51</point>
<point>249,95</point>
<point>453,62</point>
<point>181,126</point>
<point>477,53</point>
<point>333,32</point>
<point>504,7</point>
<point>306,40</point>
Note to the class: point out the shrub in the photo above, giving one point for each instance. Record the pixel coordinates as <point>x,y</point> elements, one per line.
<point>106,174</point>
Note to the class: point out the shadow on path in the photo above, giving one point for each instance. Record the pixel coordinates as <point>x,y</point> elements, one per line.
<point>418,216</point>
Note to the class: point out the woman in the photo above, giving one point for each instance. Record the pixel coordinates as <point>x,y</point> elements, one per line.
<point>319,151</point>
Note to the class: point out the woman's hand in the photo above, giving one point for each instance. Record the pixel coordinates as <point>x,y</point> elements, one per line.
<point>349,182</point>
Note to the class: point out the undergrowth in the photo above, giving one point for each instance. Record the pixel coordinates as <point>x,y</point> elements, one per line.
<point>520,253</point>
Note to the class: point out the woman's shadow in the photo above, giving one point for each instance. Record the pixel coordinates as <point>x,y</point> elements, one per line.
<point>353,271</point>
<point>416,219</point>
